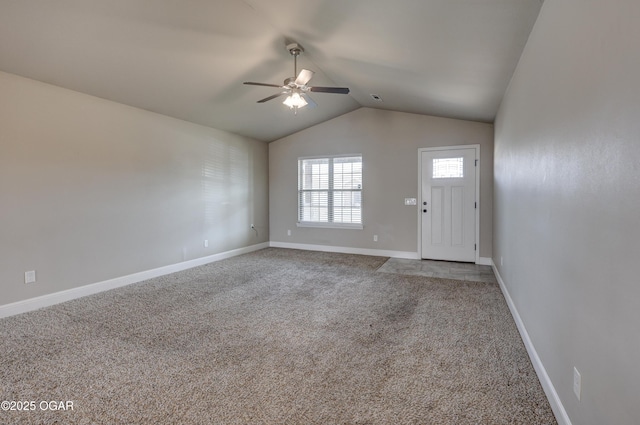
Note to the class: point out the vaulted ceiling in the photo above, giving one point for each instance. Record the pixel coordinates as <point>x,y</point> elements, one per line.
<point>188,58</point>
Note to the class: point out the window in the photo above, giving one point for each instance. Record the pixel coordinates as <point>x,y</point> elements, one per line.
<point>447,168</point>
<point>330,191</point>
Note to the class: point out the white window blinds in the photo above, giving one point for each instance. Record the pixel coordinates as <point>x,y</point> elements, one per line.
<point>330,190</point>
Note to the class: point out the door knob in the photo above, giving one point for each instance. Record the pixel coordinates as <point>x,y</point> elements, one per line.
<point>424,210</point>
<point>424,203</point>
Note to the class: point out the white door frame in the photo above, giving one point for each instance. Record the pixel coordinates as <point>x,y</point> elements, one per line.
<point>419,209</point>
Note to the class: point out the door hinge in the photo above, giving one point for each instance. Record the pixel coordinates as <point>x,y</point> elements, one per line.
<point>475,205</point>
<point>476,164</point>
<point>475,247</point>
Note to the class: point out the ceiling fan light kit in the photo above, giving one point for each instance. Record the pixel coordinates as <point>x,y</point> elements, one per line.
<point>296,88</point>
<point>295,100</point>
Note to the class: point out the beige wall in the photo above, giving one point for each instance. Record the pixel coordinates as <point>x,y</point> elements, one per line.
<point>92,190</point>
<point>389,143</point>
<point>567,202</point>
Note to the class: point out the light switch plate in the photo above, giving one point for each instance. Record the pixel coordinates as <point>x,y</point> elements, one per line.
<point>410,201</point>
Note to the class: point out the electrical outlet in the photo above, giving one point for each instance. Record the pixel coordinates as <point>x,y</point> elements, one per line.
<point>206,243</point>
<point>288,232</point>
<point>501,262</point>
<point>577,383</point>
<point>30,276</point>
<point>375,238</point>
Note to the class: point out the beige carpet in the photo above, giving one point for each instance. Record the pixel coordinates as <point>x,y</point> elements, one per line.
<point>275,337</point>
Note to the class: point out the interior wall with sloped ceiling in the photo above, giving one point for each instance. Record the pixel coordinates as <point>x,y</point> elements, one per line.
<point>389,143</point>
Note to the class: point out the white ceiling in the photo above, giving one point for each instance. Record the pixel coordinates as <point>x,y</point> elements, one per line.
<point>189,58</point>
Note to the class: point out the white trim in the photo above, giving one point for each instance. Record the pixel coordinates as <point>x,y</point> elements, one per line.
<point>94,288</point>
<point>346,250</point>
<point>484,261</point>
<point>346,155</point>
<point>552,395</point>
<point>448,148</point>
<point>333,225</point>
<point>477,167</point>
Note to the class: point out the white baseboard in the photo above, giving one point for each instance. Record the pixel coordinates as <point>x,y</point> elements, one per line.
<point>552,395</point>
<point>485,261</point>
<point>346,250</point>
<point>94,288</point>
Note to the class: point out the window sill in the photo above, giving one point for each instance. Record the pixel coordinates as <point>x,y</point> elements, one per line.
<point>349,226</point>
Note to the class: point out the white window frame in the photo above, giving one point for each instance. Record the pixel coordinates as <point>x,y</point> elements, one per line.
<point>321,224</point>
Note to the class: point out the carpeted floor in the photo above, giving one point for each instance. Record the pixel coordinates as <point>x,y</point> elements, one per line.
<point>275,337</point>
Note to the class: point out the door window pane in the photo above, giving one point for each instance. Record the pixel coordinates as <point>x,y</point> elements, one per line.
<point>448,168</point>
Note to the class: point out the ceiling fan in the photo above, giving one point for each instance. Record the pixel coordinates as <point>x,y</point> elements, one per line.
<point>296,87</point>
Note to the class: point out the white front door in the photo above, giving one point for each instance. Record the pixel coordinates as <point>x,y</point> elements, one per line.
<point>448,204</point>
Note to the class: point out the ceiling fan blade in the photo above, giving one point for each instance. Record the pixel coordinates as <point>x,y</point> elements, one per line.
<point>310,102</point>
<point>338,90</point>
<point>250,83</point>
<point>271,97</point>
<point>303,77</point>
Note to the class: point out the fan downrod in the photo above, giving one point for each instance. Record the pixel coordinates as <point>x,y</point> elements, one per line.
<point>295,50</point>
